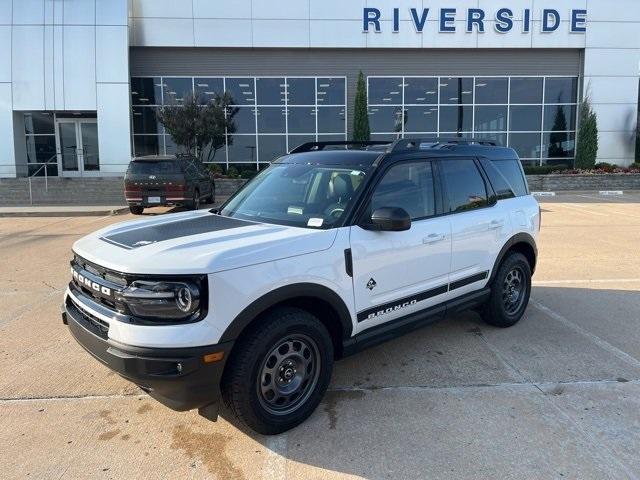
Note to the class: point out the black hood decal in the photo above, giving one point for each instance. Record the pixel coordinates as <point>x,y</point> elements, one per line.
<point>139,237</point>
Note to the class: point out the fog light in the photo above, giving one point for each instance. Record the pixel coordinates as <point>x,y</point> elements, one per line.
<point>179,367</point>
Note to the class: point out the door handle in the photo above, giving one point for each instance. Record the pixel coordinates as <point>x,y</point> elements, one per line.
<point>496,224</point>
<point>433,238</point>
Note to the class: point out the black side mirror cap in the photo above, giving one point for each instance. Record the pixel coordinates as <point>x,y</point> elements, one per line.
<point>389,219</point>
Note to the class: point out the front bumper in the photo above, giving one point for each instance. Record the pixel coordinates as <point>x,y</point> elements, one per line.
<point>178,378</point>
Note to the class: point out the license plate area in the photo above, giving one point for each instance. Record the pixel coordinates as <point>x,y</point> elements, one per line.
<point>153,199</point>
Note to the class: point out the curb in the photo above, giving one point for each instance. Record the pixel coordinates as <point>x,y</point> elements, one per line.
<point>64,213</point>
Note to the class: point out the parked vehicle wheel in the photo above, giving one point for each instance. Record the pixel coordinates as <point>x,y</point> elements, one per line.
<point>194,204</point>
<point>510,292</point>
<point>136,210</point>
<point>279,372</point>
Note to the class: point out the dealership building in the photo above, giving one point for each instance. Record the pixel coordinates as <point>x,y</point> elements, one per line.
<point>81,80</point>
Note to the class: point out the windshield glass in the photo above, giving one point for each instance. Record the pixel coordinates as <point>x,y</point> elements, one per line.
<point>310,196</point>
<point>147,167</point>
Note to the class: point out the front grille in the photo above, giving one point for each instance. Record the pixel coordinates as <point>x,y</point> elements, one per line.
<point>113,281</point>
<point>102,272</point>
<point>90,322</point>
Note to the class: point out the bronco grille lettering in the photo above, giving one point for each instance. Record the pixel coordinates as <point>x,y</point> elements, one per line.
<point>82,280</point>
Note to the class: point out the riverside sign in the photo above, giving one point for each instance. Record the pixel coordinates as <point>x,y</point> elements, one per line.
<point>474,19</point>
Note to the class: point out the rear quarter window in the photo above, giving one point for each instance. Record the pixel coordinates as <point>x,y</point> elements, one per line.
<point>512,173</point>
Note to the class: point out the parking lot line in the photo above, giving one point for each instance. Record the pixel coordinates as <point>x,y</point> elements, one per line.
<point>581,209</point>
<point>588,280</point>
<point>625,357</point>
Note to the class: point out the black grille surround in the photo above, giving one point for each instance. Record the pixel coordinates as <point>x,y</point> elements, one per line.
<point>92,323</point>
<point>101,285</point>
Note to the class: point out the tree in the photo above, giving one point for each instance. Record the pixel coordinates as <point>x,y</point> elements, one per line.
<point>361,130</point>
<point>587,148</point>
<point>200,129</point>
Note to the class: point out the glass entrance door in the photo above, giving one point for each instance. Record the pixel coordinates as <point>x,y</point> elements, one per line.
<point>78,147</point>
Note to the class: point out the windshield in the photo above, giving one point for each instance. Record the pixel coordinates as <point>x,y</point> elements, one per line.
<point>147,167</point>
<point>309,196</point>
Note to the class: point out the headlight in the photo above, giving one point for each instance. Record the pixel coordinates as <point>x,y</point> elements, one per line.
<point>161,300</point>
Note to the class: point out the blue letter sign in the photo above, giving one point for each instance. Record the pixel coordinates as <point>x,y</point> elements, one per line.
<point>474,20</point>
<point>371,15</point>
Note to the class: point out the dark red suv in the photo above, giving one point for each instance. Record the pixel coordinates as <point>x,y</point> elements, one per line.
<point>167,180</point>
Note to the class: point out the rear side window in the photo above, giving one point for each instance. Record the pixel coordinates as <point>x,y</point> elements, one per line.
<point>512,173</point>
<point>166,167</point>
<point>500,184</point>
<point>464,185</point>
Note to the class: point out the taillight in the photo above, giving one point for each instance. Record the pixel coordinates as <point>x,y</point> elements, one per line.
<point>175,187</point>
<point>132,187</point>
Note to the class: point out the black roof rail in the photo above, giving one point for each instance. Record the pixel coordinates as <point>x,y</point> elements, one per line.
<point>317,146</point>
<point>414,143</point>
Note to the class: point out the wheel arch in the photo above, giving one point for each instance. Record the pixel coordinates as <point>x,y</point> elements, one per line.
<point>522,243</point>
<point>317,299</point>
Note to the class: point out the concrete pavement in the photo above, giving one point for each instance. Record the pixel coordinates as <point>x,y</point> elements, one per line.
<point>556,396</point>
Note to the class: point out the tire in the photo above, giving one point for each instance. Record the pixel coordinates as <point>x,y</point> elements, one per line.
<point>136,210</point>
<point>212,197</point>
<point>510,291</point>
<point>290,354</point>
<point>194,204</point>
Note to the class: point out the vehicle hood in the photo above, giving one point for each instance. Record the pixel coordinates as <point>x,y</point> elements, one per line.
<point>196,242</point>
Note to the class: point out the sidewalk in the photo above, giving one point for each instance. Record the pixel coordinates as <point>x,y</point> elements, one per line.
<point>62,211</point>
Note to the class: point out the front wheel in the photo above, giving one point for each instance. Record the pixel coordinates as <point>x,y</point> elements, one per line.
<point>510,291</point>
<point>279,372</point>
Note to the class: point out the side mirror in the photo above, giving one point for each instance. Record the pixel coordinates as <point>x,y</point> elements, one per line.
<point>390,219</point>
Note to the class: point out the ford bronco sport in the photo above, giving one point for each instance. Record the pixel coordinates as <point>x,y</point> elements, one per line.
<point>324,253</point>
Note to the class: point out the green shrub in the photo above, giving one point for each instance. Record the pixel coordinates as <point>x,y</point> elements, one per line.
<point>215,168</point>
<point>544,169</point>
<point>587,147</point>
<point>232,172</point>
<point>607,167</point>
<point>247,174</point>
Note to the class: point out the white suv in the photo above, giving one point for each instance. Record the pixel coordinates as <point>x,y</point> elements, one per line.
<point>325,252</point>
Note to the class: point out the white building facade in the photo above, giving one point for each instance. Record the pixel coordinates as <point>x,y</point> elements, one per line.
<point>82,80</point>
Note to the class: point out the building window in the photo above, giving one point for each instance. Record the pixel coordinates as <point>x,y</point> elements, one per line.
<point>40,136</point>
<point>275,114</point>
<point>536,116</point>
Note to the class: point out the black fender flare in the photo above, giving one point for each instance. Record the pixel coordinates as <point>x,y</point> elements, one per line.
<point>517,238</point>
<point>289,292</point>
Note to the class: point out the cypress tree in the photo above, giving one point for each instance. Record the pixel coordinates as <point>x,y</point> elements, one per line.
<point>587,148</point>
<point>361,130</point>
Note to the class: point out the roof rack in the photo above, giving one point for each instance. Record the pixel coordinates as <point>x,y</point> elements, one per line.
<point>414,143</point>
<point>317,146</point>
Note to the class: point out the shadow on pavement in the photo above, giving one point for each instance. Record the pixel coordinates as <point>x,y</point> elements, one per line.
<point>461,399</point>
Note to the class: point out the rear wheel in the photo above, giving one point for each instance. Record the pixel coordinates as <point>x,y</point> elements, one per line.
<point>136,210</point>
<point>279,372</point>
<point>194,204</point>
<point>510,291</point>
